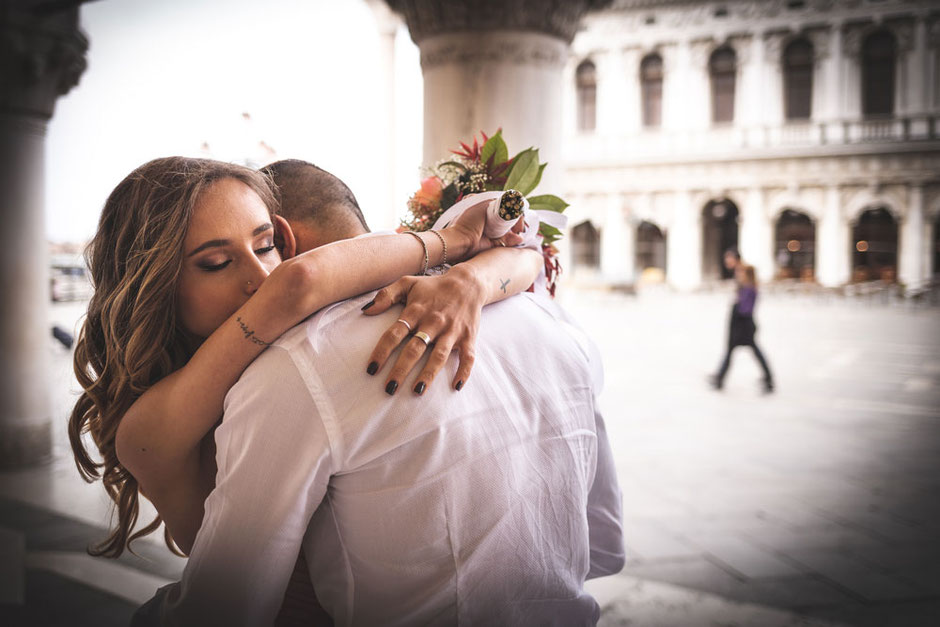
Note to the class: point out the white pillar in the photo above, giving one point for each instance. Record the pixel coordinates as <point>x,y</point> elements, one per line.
<point>612,99</point>
<point>912,271</point>
<point>757,235</point>
<point>387,24</point>
<point>25,409</point>
<point>747,106</point>
<point>771,100</point>
<point>490,79</point>
<point>676,72</point>
<point>851,72</point>
<point>684,244</point>
<point>46,63</point>
<point>617,244</point>
<point>832,243</point>
<point>631,113</point>
<point>696,106</point>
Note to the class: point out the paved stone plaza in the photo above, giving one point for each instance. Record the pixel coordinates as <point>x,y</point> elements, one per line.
<point>817,505</point>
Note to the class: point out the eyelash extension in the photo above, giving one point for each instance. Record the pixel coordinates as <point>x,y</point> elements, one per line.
<point>265,250</point>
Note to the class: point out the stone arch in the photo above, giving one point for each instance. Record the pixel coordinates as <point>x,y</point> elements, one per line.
<point>650,257</point>
<point>794,244</point>
<point>875,245</point>
<point>720,232</point>
<point>586,245</point>
<point>867,199</point>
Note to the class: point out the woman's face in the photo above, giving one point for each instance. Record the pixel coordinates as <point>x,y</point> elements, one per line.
<point>228,252</point>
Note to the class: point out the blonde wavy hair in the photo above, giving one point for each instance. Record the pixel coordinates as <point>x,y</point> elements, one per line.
<point>131,337</point>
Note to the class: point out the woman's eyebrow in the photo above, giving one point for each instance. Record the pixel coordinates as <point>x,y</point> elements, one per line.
<point>213,243</point>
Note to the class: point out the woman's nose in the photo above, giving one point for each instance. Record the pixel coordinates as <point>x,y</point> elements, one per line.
<point>255,276</point>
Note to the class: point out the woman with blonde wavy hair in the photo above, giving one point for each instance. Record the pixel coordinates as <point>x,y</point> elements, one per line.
<point>189,288</point>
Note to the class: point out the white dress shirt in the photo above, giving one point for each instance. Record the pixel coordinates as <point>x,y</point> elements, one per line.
<point>490,505</point>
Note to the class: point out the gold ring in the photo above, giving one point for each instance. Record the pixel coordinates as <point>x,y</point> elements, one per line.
<point>424,337</point>
<point>405,322</point>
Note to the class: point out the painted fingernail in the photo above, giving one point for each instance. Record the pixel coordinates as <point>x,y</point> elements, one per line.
<point>373,367</point>
<point>419,389</point>
<point>459,385</point>
<point>391,387</point>
<point>367,305</point>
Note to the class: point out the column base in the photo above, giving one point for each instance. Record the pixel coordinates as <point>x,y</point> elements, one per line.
<point>23,445</point>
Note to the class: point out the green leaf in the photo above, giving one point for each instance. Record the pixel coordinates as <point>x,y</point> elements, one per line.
<point>548,202</point>
<point>549,233</point>
<point>538,179</point>
<point>495,147</point>
<point>525,169</point>
<point>449,196</point>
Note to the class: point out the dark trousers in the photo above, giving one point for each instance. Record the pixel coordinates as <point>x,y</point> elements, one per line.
<point>760,358</point>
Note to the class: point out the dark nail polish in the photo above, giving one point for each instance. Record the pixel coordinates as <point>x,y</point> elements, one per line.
<point>419,389</point>
<point>391,387</point>
<point>367,305</point>
<point>373,367</point>
<point>459,385</point>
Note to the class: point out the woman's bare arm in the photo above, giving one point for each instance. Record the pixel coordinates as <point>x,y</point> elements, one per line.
<point>166,424</point>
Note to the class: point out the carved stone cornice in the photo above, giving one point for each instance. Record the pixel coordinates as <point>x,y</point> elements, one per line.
<point>42,55</point>
<point>498,47</point>
<point>558,18</point>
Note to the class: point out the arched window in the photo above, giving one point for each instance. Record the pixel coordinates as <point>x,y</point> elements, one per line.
<point>586,81</point>
<point>651,86</point>
<point>878,61</point>
<point>722,67</point>
<point>798,79</point>
<point>586,245</point>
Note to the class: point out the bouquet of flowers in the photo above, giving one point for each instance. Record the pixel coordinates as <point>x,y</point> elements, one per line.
<point>487,167</point>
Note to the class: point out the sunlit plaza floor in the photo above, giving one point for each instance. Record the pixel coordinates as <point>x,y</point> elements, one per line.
<point>819,504</point>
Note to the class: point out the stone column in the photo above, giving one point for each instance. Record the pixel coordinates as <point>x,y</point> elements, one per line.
<point>41,58</point>
<point>611,93</point>
<point>385,214</point>
<point>757,235</point>
<point>824,75</point>
<point>697,104</point>
<point>771,108</point>
<point>684,244</point>
<point>490,64</point>
<point>850,69</point>
<point>617,244</point>
<point>912,271</point>
<point>832,237</point>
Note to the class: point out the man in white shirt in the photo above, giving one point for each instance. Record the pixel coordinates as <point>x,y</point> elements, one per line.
<point>490,505</point>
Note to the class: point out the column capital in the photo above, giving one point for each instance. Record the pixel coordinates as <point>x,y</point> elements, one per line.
<point>558,18</point>
<point>42,55</point>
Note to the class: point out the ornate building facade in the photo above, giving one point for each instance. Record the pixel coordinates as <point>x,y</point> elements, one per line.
<point>805,133</point>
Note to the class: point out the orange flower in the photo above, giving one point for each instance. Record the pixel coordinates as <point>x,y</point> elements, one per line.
<point>430,193</point>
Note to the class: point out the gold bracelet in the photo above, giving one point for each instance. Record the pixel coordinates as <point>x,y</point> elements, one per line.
<point>425,247</point>
<point>444,244</point>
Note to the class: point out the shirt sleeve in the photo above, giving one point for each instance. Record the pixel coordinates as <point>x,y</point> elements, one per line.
<point>605,510</point>
<point>273,468</point>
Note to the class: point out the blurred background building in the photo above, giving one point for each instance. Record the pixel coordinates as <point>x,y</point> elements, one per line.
<point>803,132</point>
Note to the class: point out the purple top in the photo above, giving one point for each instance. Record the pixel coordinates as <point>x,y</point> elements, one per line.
<point>747,297</point>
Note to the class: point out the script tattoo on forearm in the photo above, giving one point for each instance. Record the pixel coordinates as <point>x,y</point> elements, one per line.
<point>249,334</point>
<point>503,284</point>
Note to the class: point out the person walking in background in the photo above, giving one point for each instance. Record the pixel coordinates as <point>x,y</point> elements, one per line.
<point>742,328</point>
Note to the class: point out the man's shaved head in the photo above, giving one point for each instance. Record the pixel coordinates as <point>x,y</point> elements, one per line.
<point>312,197</point>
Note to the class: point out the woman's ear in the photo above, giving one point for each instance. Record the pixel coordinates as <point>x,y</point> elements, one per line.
<point>284,237</point>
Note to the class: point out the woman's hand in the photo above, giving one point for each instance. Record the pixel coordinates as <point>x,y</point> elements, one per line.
<point>446,308</point>
<point>469,227</point>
